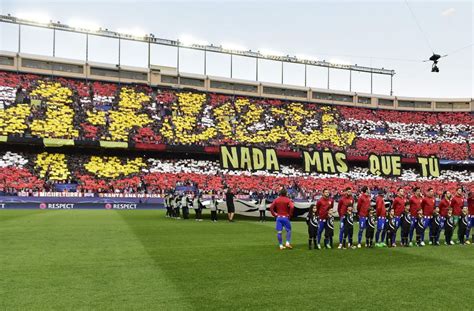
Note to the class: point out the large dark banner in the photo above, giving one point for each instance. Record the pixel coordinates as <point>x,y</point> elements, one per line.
<point>388,165</point>
<point>320,161</point>
<point>325,162</point>
<point>429,166</point>
<point>248,158</point>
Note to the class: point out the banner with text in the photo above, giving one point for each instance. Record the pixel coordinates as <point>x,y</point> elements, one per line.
<point>248,158</point>
<point>321,161</point>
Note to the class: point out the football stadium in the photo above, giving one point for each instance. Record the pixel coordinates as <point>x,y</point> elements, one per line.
<point>173,185</point>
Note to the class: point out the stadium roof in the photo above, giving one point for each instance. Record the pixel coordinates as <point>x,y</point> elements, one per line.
<point>202,46</point>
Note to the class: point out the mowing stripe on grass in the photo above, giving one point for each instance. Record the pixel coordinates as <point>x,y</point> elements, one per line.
<point>7,215</point>
<point>78,260</point>
<point>135,259</point>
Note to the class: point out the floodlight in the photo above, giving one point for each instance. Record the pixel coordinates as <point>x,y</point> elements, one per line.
<point>137,32</point>
<point>306,57</point>
<point>83,24</point>
<point>190,40</point>
<point>36,17</point>
<point>339,62</point>
<point>267,52</point>
<point>233,47</point>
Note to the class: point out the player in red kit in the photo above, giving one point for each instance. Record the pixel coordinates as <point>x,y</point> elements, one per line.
<point>470,210</point>
<point>398,207</point>
<point>445,204</point>
<point>444,207</point>
<point>415,205</point>
<point>427,205</point>
<point>363,206</point>
<point>457,204</point>
<point>282,208</point>
<point>381,213</point>
<point>324,204</point>
<point>344,202</point>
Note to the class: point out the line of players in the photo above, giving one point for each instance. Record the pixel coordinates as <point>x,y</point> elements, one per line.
<point>413,215</point>
<point>175,204</point>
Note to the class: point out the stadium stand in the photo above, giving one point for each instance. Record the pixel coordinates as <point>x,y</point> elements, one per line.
<point>39,107</point>
<point>44,107</point>
<point>28,172</point>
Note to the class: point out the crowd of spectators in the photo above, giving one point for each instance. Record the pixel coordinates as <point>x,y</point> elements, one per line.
<point>29,172</point>
<point>47,107</point>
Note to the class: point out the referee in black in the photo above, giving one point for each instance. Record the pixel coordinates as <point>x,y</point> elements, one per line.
<point>229,200</point>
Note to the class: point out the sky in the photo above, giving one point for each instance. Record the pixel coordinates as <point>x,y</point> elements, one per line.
<point>388,34</point>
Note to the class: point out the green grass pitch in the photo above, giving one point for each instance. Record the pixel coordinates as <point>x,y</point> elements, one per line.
<point>140,260</point>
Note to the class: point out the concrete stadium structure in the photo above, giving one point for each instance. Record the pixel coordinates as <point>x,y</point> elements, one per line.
<point>169,77</point>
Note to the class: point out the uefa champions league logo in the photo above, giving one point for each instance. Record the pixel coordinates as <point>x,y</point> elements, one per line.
<point>108,206</point>
<point>43,206</point>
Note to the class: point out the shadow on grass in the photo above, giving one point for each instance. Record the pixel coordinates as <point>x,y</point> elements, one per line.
<point>240,262</point>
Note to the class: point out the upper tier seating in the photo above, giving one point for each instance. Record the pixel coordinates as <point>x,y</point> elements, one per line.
<point>48,107</point>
